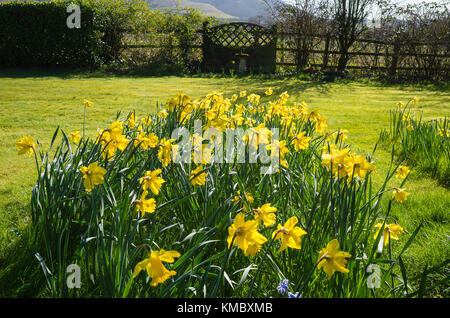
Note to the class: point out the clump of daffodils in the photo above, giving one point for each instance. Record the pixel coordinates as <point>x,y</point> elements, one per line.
<point>344,164</point>
<point>255,224</point>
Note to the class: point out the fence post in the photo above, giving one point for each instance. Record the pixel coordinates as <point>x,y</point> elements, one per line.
<point>325,54</point>
<point>275,43</point>
<point>205,46</point>
<point>394,61</point>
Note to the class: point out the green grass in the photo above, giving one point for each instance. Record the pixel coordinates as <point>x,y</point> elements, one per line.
<point>36,103</point>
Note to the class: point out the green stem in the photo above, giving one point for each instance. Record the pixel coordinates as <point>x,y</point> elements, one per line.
<point>259,267</point>
<point>84,122</point>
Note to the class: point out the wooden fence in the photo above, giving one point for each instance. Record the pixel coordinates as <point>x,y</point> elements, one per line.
<point>417,58</point>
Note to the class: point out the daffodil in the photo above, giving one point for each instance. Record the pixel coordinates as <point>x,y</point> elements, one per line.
<point>75,137</point>
<point>268,92</point>
<point>121,142</point>
<point>248,196</point>
<point>254,99</point>
<point>93,175</point>
<point>341,135</point>
<point>321,125</point>
<point>245,234</point>
<point>152,181</point>
<point>402,172</point>
<point>390,231</point>
<point>115,129</point>
<point>131,121</point>
<point>300,141</point>
<point>331,260</point>
<point>289,234</point>
<point>151,141</point>
<point>314,116</point>
<point>145,205</point>
<point>266,214</point>
<point>444,132</point>
<point>198,177</point>
<point>87,103</point>
<point>279,149</point>
<point>165,151</point>
<point>154,267</point>
<point>25,145</point>
<point>399,195</point>
<point>338,161</point>
<point>358,166</point>
<point>146,120</point>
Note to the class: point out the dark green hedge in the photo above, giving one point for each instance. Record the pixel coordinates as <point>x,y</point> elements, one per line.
<point>36,34</point>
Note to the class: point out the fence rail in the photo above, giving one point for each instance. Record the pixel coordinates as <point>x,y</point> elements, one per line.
<point>366,54</point>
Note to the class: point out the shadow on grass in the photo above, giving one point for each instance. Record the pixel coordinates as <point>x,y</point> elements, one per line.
<point>157,70</point>
<point>20,272</point>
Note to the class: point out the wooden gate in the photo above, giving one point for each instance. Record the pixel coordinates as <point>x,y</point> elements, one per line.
<point>241,47</point>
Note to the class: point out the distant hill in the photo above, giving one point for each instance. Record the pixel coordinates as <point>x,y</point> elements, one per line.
<point>237,10</point>
<point>206,8</point>
<point>223,9</point>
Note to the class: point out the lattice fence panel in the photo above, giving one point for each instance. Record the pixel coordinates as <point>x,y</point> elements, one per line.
<point>223,44</point>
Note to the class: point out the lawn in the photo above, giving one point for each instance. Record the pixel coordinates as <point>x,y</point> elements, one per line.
<point>36,104</point>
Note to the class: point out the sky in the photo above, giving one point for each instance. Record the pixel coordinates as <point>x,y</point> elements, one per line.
<point>403,2</point>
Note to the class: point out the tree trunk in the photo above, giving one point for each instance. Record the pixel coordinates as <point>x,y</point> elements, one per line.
<point>343,59</point>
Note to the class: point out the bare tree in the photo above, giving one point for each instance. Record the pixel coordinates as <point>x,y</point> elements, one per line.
<point>422,32</point>
<point>303,18</point>
<point>349,18</point>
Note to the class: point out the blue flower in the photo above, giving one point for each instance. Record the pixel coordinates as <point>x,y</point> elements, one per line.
<point>296,295</point>
<point>283,287</point>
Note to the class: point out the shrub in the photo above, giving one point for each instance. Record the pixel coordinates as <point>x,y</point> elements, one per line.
<point>36,34</point>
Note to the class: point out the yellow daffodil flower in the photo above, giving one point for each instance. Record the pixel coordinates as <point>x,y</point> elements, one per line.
<point>300,141</point>
<point>92,175</point>
<point>75,137</point>
<point>152,181</point>
<point>87,103</point>
<point>145,205</point>
<point>399,195</point>
<point>266,214</point>
<point>402,172</point>
<point>25,145</point>
<point>245,234</point>
<point>198,177</point>
<point>289,234</point>
<point>331,260</point>
<point>165,151</point>
<point>389,231</point>
<point>444,132</point>
<point>154,267</point>
<point>131,121</point>
<point>247,196</point>
<point>146,120</point>
<point>358,166</point>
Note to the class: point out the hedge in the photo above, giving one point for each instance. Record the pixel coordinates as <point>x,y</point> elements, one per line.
<point>36,34</point>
